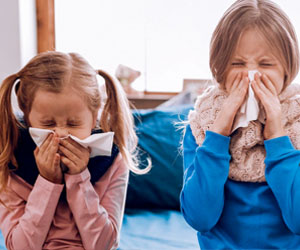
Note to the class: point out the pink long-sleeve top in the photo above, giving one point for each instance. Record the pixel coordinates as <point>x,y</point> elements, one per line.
<point>89,218</point>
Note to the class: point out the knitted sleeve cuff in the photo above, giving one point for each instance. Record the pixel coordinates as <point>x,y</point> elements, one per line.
<point>278,146</point>
<point>216,142</point>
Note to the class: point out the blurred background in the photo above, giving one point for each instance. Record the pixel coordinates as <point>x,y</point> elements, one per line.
<point>165,41</point>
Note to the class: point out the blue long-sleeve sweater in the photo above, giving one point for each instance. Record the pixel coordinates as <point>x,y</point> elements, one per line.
<point>241,215</point>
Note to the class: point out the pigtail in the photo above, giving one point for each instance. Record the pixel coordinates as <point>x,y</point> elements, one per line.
<point>116,116</point>
<point>8,129</point>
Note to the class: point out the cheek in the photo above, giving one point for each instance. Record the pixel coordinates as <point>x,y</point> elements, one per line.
<point>85,130</point>
<point>230,76</point>
<point>277,79</point>
<point>80,133</point>
<point>94,123</point>
<point>30,120</point>
<point>278,84</point>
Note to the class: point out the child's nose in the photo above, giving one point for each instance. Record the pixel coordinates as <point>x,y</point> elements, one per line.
<point>61,132</point>
<point>252,66</point>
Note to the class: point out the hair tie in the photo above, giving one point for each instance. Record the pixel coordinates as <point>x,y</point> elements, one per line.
<point>17,86</point>
<point>17,82</point>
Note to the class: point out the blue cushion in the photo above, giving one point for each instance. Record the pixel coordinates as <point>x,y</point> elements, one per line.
<point>2,242</point>
<point>159,138</point>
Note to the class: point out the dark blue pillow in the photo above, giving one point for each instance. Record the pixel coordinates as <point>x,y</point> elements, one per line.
<point>159,139</point>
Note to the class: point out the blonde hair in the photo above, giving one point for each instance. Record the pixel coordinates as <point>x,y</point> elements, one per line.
<point>54,71</point>
<point>267,18</point>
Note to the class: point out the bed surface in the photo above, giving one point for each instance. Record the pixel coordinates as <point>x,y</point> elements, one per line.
<point>156,229</point>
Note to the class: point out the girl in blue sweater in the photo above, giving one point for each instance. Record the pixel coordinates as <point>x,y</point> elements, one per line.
<point>241,159</point>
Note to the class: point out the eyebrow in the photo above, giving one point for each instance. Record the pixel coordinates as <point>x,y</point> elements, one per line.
<point>74,119</point>
<point>263,58</point>
<point>43,121</point>
<point>46,119</point>
<point>268,59</point>
<point>238,58</point>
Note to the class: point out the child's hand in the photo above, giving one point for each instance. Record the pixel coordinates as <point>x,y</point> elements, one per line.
<point>74,156</point>
<point>237,93</point>
<point>265,91</point>
<point>47,159</point>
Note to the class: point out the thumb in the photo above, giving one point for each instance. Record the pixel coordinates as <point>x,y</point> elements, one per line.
<point>36,151</point>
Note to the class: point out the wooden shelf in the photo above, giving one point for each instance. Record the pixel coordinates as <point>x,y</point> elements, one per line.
<point>147,100</point>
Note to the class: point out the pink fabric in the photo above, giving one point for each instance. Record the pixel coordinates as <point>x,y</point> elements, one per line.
<point>90,219</point>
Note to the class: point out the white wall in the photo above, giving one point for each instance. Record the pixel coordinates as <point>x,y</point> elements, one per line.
<point>10,50</point>
<point>27,24</point>
<point>166,40</point>
<point>18,35</point>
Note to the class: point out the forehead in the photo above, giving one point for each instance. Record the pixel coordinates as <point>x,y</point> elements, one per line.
<point>59,104</point>
<point>253,42</point>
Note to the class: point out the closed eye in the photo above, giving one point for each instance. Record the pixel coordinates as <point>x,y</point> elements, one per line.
<point>73,124</point>
<point>266,64</point>
<point>237,64</point>
<point>48,124</point>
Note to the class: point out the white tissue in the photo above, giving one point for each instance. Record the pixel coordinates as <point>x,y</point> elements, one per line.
<point>100,144</point>
<point>249,110</point>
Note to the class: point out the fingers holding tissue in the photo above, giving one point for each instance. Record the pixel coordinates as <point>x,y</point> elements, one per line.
<point>261,90</point>
<point>47,159</point>
<point>73,155</point>
<point>237,94</point>
<point>94,145</point>
<point>268,96</point>
<point>249,110</point>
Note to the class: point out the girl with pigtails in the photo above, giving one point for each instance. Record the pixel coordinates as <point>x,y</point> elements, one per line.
<point>55,195</point>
